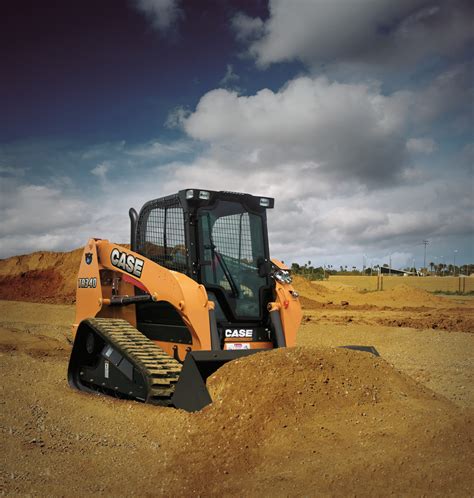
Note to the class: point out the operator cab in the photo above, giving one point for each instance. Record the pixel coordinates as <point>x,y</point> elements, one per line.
<point>218,239</point>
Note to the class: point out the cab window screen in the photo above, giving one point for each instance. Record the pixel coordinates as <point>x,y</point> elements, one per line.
<point>162,238</point>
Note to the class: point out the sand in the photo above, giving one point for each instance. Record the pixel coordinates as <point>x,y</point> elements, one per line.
<point>307,421</point>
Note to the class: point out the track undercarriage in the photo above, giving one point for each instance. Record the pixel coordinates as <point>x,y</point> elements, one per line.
<point>111,357</point>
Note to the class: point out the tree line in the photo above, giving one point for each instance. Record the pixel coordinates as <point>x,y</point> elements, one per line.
<point>322,272</point>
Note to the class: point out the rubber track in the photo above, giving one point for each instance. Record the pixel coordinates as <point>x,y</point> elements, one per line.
<point>161,370</point>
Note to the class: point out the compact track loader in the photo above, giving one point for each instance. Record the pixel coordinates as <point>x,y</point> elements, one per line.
<point>196,289</point>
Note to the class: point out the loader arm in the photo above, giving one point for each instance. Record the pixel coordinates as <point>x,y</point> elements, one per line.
<point>187,296</point>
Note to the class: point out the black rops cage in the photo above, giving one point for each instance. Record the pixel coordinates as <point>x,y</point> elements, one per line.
<point>165,230</point>
<point>160,233</point>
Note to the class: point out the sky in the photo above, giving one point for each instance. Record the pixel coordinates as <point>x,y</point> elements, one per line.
<point>355,115</point>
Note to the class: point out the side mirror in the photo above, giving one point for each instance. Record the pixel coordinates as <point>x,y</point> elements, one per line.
<point>264,268</point>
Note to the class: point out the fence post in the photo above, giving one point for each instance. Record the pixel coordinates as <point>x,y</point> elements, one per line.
<point>462,285</point>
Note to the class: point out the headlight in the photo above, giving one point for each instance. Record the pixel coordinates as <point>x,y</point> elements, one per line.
<point>283,277</point>
<point>204,195</point>
<point>189,194</point>
<point>264,202</point>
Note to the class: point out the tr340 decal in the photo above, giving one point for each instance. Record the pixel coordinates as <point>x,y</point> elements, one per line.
<point>87,283</point>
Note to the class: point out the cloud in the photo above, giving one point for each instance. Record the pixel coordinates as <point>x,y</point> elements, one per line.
<point>230,78</point>
<point>36,217</point>
<point>319,219</point>
<point>101,170</point>
<point>247,28</point>
<point>346,131</point>
<point>163,14</point>
<point>158,150</point>
<point>421,145</point>
<point>12,171</point>
<point>316,217</point>
<point>449,93</point>
<point>384,32</point>
<point>176,117</point>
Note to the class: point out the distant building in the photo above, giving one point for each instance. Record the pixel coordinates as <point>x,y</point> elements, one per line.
<point>385,270</point>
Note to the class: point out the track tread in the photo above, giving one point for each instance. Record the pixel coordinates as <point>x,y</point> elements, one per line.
<point>160,370</point>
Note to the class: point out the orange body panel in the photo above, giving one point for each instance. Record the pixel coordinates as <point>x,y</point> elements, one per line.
<point>88,299</point>
<point>279,264</point>
<point>288,304</point>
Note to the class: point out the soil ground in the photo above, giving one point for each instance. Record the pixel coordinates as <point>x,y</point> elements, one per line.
<point>308,421</point>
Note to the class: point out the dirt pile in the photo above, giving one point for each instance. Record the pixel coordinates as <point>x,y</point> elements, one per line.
<point>463,321</point>
<point>299,379</point>
<point>62,261</point>
<point>42,277</point>
<point>318,418</point>
<point>329,294</point>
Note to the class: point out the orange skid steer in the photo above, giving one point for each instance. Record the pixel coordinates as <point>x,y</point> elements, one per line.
<point>197,289</point>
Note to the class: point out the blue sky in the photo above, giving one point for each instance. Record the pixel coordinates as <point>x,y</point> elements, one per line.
<point>357,116</point>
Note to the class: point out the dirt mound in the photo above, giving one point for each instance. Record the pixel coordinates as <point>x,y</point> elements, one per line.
<point>334,294</point>
<point>319,417</point>
<point>310,304</point>
<point>406,292</point>
<point>45,277</point>
<point>460,323</point>
<point>302,378</point>
<point>42,277</point>
<point>45,286</point>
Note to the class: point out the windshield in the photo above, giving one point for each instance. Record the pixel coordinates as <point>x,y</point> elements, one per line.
<point>233,246</point>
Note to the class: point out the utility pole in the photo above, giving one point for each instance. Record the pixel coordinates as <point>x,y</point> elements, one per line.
<point>454,266</point>
<point>425,243</point>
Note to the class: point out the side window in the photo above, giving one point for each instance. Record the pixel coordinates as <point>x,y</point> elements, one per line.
<point>175,241</point>
<point>163,238</point>
<point>154,247</point>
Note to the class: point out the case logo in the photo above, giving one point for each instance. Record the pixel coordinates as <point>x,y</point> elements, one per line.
<point>88,257</point>
<point>127,262</point>
<point>239,333</point>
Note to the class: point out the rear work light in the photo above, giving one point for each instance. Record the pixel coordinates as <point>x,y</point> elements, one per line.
<point>204,195</point>
<point>264,202</point>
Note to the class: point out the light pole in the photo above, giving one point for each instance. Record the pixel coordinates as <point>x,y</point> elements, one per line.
<point>425,243</point>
